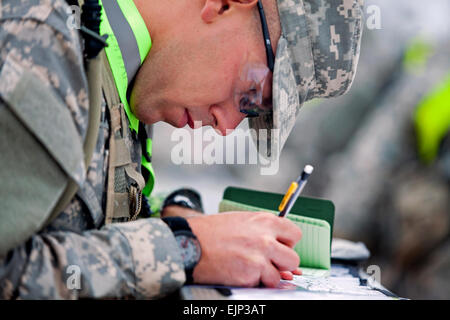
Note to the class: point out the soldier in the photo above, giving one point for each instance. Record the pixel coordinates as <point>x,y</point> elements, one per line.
<point>76,161</point>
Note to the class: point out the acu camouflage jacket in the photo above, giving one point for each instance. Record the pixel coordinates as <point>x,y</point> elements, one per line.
<point>137,259</point>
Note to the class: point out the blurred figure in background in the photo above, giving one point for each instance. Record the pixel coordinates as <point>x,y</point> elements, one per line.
<point>390,178</point>
<point>390,184</point>
<point>382,152</point>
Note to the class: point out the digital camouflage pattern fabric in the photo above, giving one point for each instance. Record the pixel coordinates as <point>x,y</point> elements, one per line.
<point>316,57</point>
<point>137,259</point>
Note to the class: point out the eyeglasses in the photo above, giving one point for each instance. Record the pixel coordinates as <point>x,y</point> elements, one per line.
<point>266,35</point>
<point>248,95</point>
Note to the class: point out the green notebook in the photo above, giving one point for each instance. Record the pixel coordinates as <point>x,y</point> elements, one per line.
<point>314,216</point>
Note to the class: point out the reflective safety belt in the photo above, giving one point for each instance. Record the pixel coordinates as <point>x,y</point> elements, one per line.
<point>432,115</point>
<point>129,43</point>
<point>432,121</point>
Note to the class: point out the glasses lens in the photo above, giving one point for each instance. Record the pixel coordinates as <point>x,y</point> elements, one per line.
<point>248,93</point>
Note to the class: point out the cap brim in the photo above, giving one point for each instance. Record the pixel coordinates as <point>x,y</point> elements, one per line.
<point>273,130</point>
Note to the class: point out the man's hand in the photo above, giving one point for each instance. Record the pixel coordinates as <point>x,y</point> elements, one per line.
<point>245,248</point>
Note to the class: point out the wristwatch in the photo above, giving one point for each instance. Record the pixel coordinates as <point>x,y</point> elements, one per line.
<point>187,242</point>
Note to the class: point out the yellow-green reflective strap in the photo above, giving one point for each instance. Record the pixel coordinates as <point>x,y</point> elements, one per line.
<point>147,165</point>
<point>138,26</point>
<point>417,55</point>
<point>149,147</point>
<point>149,184</point>
<point>131,28</point>
<point>432,121</point>
<point>129,43</point>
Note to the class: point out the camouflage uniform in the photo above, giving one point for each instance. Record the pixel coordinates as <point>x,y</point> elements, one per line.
<point>137,259</point>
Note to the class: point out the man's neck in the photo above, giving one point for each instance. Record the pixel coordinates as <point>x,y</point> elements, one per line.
<point>159,17</point>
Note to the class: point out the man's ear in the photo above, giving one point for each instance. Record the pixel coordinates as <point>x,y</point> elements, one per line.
<point>212,9</point>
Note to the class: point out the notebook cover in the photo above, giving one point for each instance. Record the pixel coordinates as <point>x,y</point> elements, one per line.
<point>304,206</point>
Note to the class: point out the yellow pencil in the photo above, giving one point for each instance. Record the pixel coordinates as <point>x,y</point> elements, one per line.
<point>294,191</point>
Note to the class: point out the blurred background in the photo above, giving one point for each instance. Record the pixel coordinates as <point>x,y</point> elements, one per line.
<point>381,153</point>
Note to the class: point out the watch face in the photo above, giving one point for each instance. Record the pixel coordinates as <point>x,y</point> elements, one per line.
<point>190,248</point>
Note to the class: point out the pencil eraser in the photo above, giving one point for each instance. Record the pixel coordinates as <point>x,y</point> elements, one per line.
<point>308,169</point>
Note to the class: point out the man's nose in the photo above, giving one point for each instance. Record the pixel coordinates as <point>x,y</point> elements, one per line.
<point>227,117</point>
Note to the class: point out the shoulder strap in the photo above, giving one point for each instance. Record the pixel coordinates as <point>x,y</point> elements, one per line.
<point>93,69</point>
<point>125,183</point>
<point>95,98</point>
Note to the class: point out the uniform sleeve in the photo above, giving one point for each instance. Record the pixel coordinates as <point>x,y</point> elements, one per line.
<point>137,259</point>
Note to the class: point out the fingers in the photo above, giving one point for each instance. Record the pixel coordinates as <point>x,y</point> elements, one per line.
<point>289,275</point>
<point>290,238</point>
<point>286,231</point>
<point>297,272</point>
<point>283,257</point>
<point>270,277</point>
<point>286,275</point>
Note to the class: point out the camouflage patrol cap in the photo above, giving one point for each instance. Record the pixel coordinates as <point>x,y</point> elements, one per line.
<point>316,56</point>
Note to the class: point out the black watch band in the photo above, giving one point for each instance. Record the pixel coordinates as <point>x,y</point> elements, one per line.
<point>177,224</point>
<point>187,242</point>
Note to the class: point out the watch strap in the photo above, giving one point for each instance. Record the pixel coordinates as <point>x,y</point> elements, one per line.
<point>177,224</point>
